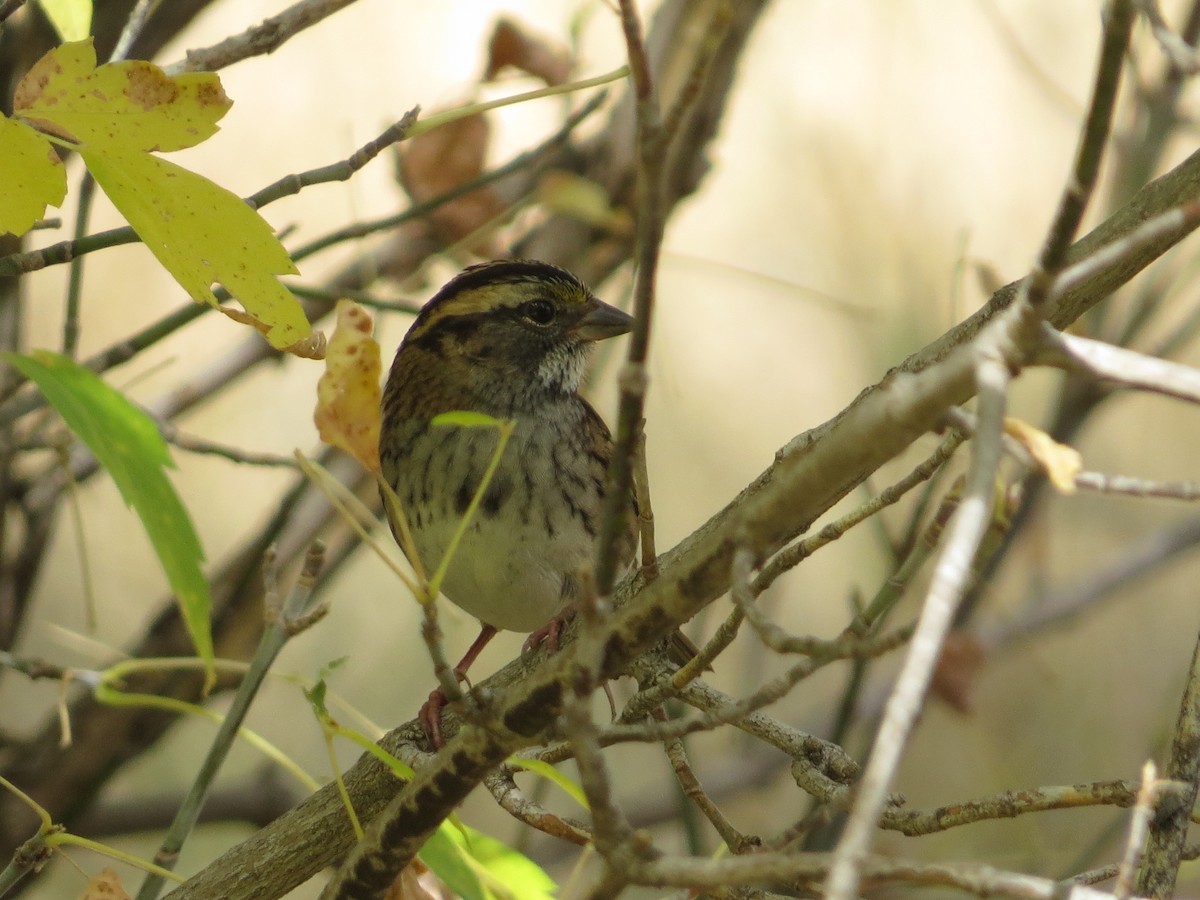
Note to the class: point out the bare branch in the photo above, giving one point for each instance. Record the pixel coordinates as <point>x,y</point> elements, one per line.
<point>1137,487</point>
<point>517,804</point>
<point>1118,15</point>
<point>1125,367</point>
<point>1008,804</point>
<point>694,791</point>
<point>803,871</point>
<point>1181,54</point>
<point>266,37</point>
<point>789,557</point>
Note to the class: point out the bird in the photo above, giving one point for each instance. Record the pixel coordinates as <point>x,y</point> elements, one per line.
<point>510,339</point>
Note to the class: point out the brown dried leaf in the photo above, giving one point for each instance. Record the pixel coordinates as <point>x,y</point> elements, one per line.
<point>442,159</point>
<point>512,45</point>
<point>104,885</point>
<point>1060,462</point>
<point>963,655</point>
<point>311,346</point>
<point>347,413</point>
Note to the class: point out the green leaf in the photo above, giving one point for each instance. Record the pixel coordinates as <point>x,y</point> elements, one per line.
<point>72,19</point>
<point>34,176</point>
<point>445,856</point>
<point>316,694</point>
<point>126,442</point>
<point>202,234</point>
<point>476,866</point>
<point>465,418</point>
<point>551,774</point>
<point>507,872</point>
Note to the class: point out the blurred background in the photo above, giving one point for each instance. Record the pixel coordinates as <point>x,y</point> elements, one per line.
<point>881,168</point>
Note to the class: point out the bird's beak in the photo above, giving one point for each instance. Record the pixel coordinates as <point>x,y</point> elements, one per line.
<point>602,321</point>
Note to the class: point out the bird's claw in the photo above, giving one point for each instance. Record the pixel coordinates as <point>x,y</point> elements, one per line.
<point>547,636</point>
<point>430,717</point>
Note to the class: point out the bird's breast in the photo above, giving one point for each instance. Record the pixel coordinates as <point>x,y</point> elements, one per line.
<point>534,526</point>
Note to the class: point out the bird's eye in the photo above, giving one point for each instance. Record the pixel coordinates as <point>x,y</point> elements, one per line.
<point>540,312</point>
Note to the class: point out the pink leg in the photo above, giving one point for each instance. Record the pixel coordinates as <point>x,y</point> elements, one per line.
<point>430,715</point>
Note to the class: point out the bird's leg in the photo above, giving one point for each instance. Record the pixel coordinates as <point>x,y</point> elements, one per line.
<point>430,715</point>
<point>549,633</point>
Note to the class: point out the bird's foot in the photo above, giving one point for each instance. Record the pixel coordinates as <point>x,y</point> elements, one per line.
<point>430,715</point>
<point>430,718</point>
<point>547,636</point>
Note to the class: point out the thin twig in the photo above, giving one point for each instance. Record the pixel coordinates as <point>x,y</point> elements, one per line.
<point>1104,873</point>
<point>694,791</point>
<point>263,38</point>
<point>362,298</point>
<point>388,223</point>
<point>789,557</point>
<point>518,804</point>
<point>612,829</point>
<point>650,157</point>
<point>1009,804</point>
<point>1125,367</point>
<point>1093,138</point>
<point>1130,486</point>
<point>138,17</point>
<point>645,512</point>
<point>195,444</point>
<point>801,872</point>
<point>1173,223</point>
<point>735,712</point>
<point>851,643</point>
<point>1178,337</point>
<point>86,194</point>
<point>1182,55</point>
<point>34,668</point>
<point>342,170</point>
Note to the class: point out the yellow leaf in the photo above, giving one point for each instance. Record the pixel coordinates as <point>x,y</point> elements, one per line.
<point>131,105</point>
<point>203,234</point>
<point>1061,463</point>
<point>34,176</point>
<point>347,413</point>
